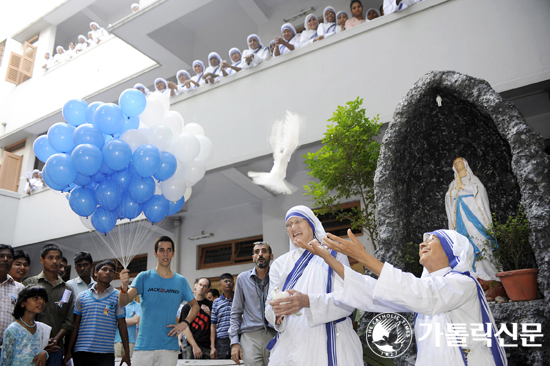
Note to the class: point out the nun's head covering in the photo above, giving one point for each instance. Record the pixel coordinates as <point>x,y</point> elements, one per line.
<point>142,87</point>
<point>133,6</point>
<point>325,12</point>
<point>457,247</point>
<point>233,50</point>
<point>340,13</point>
<point>90,33</point>
<point>288,26</point>
<point>60,47</point>
<point>306,20</point>
<point>36,171</point>
<point>81,37</point>
<point>92,23</point>
<point>306,213</point>
<point>257,39</point>
<point>198,62</point>
<point>162,81</point>
<point>182,72</point>
<point>214,54</point>
<point>367,13</point>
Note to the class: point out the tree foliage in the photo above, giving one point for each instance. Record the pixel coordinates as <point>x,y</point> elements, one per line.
<point>345,167</point>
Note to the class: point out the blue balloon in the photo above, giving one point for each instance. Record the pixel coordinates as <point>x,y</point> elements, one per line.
<point>174,208</point>
<point>130,208</point>
<point>87,159</point>
<point>83,201</point>
<point>42,148</point>
<point>156,208</point>
<point>61,169</point>
<point>103,220</point>
<point>132,102</point>
<point>146,160</point>
<point>74,112</point>
<point>118,212</point>
<point>108,194</point>
<point>92,185</point>
<point>130,123</point>
<point>168,166</point>
<point>105,170</point>
<point>82,180</point>
<point>117,154</point>
<point>60,137</point>
<point>88,134</point>
<point>49,182</point>
<point>141,189</point>
<point>132,170</point>
<point>68,189</point>
<point>108,118</point>
<point>123,178</point>
<point>90,112</point>
<point>98,177</point>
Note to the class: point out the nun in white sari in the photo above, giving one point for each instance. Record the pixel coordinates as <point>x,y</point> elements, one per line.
<point>254,55</point>
<point>310,35</point>
<point>90,41</point>
<point>391,6</point>
<point>469,213</point>
<point>198,67</point>
<point>454,325</point>
<point>290,41</point>
<point>162,87</point>
<point>236,61</point>
<point>184,82</point>
<point>98,34</point>
<point>142,88</point>
<point>82,45</point>
<point>302,337</point>
<point>34,183</point>
<point>60,56</point>
<point>329,26</point>
<point>213,72</point>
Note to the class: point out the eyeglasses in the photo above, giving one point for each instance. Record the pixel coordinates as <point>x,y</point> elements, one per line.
<point>289,225</point>
<point>226,281</point>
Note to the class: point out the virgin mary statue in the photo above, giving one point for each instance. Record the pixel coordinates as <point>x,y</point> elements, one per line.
<point>468,212</point>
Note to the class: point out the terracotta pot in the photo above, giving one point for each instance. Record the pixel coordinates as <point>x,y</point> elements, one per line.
<point>521,284</point>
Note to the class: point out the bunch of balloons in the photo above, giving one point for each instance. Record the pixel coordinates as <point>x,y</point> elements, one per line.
<point>117,161</point>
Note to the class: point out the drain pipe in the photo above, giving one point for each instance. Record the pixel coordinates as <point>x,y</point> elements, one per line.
<point>177,245</point>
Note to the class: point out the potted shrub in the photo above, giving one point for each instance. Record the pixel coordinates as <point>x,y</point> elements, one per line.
<point>514,256</point>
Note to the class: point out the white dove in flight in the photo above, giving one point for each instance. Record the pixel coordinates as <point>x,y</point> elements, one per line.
<point>284,141</point>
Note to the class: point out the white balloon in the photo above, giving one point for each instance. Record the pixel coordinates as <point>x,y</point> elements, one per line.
<point>87,222</point>
<point>193,171</point>
<point>162,98</point>
<point>206,148</point>
<point>153,113</point>
<point>174,121</point>
<point>185,148</point>
<point>134,138</point>
<point>160,136</point>
<point>193,129</point>
<point>187,194</point>
<point>173,188</point>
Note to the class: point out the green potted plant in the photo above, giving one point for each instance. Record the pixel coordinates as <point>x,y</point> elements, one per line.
<point>514,256</point>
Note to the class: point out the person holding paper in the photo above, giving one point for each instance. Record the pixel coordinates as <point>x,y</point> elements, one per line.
<point>58,311</point>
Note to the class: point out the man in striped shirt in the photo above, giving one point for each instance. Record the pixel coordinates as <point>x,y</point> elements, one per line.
<point>97,315</point>
<point>220,343</point>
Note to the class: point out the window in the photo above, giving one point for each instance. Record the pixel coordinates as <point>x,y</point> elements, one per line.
<point>137,265</point>
<point>340,227</point>
<point>228,253</point>
<point>20,67</point>
<point>19,145</point>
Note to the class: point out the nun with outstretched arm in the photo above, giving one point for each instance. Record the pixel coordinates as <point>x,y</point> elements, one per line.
<point>446,299</point>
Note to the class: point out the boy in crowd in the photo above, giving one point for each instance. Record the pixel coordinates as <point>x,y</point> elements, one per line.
<point>97,315</point>
<point>58,312</point>
<point>83,263</point>
<point>220,344</point>
<point>20,268</point>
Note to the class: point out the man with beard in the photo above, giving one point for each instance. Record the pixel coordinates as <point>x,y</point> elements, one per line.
<point>247,313</point>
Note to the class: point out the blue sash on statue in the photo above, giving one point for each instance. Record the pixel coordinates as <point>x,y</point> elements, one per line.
<point>461,206</point>
<point>499,355</point>
<point>290,282</point>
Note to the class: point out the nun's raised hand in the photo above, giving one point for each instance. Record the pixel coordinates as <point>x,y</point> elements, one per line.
<point>316,248</point>
<point>352,248</point>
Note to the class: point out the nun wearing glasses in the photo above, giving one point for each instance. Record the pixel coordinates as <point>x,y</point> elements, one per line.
<point>290,41</point>
<point>255,54</point>
<point>453,324</point>
<point>329,26</point>
<point>184,82</point>
<point>313,329</point>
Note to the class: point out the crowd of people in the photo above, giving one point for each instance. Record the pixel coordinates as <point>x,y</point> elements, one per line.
<point>257,52</point>
<point>96,35</point>
<point>46,321</point>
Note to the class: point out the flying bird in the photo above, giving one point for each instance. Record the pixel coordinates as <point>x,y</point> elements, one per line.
<point>284,141</point>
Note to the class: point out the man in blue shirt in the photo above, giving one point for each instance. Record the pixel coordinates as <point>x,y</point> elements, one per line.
<point>220,345</point>
<point>133,311</point>
<point>249,331</point>
<point>162,291</point>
